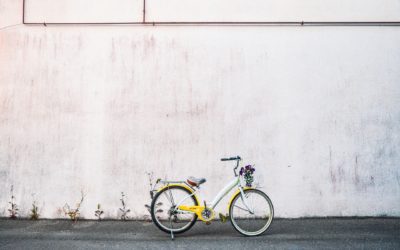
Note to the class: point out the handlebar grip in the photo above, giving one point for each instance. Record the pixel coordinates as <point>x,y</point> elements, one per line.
<point>231,158</point>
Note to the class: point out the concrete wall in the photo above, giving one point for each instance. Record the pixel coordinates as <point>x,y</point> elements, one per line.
<point>316,109</point>
<point>211,10</point>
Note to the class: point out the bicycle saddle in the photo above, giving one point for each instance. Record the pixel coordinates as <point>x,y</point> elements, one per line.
<point>196,182</point>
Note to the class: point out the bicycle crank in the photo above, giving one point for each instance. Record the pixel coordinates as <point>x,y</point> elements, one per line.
<point>207,215</point>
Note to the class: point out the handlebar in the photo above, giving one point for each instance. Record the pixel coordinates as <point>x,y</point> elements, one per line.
<point>232,159</point>
<point>237,159</point>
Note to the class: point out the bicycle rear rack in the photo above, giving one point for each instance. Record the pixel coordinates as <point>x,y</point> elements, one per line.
<point>167,182</point>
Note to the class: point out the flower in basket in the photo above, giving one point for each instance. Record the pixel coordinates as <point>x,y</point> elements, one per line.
<point>247,173</point>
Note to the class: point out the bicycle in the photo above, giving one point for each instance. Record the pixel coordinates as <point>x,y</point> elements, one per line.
<point>175,206</point>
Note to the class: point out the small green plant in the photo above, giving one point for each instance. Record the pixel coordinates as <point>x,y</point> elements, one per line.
<point>150,176</point>
<point>99,212</point>
<point>34,210</point>
<point>123,209</point>
<point>14,208</point>
<point>73,213</point>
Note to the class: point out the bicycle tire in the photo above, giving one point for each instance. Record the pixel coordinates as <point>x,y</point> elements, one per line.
<point>265,227</point>
<point>153,211</point>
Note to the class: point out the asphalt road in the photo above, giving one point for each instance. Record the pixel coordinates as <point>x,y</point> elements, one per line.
<point>326,233</point>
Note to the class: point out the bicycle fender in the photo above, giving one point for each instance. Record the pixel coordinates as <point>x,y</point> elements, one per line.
<point>236,193</point>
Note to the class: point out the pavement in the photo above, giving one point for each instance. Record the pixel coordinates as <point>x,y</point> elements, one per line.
<point>312,233</point>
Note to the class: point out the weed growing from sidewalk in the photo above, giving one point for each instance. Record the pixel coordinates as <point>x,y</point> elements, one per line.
<point>34,210</point>
<point>99,212</point>
<point>123,209</point>
<point>150,176</point>
<point>14,208</point>
<point>74,213</point>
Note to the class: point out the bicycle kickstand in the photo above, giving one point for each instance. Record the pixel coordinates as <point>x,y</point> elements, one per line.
<point>172,233</point>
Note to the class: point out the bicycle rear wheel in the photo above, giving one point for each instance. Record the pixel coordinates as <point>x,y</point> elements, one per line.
<point>163,211</point>
<point>252,214</point>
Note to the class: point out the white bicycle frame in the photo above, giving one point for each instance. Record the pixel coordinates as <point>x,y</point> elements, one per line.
<point>221,194</point>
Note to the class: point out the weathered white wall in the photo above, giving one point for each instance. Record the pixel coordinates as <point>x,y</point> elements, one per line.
<point>273,10</point>
<point>83,11</point>
<point>211,10</point>
<point>317,109</point>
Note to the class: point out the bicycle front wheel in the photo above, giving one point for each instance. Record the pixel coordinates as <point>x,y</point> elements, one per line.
<point>251,214</point>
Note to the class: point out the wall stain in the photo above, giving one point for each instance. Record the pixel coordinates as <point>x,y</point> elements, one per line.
<point>197,110</point>
<point>372,180</point>
<point>356,175</point>
<point>133,45</point>
<point>331,172</point>
<point>336,171</point>
<point>113,53</point>
<point>80,43</point>
<point>149,44</point>
<point>186,56</point>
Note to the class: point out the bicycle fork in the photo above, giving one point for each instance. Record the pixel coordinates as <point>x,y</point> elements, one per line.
<point>244,199</point>
<point>171,214</point>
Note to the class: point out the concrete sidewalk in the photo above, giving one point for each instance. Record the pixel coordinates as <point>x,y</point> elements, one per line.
<point>327,233</point>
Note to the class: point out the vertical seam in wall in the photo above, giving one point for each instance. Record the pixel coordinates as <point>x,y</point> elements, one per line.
<point>144,11</point>
<point>23,11</point>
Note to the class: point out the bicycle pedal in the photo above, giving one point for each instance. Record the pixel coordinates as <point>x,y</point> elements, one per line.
<point>223,218</point>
